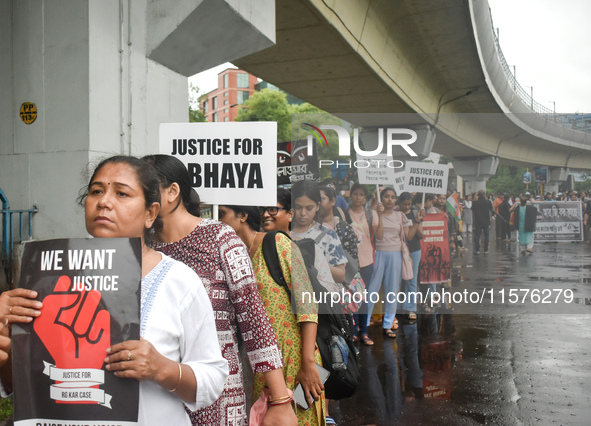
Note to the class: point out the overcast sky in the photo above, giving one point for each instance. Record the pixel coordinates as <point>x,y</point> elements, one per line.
<point>548,41</point>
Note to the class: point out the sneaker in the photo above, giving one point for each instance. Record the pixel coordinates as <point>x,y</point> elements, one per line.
<point>477,252</point>
<point>330,421</point>
<point>485,252</point>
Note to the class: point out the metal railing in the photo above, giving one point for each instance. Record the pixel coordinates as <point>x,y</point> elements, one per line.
<point>573,121</point>
<point>8,227</point>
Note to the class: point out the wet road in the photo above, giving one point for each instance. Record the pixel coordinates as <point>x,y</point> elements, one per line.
<point>498,364</point>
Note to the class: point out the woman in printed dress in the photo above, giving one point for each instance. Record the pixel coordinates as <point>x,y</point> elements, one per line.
<point>220,258</point>
<point>296,333</point>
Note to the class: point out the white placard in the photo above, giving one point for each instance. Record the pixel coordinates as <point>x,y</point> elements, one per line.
<point>399,180</point>
<point>229,163</point>
<point>374,170</point>
<point>426,177</point>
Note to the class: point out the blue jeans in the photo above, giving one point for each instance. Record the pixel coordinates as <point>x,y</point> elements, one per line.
<point>361,315</point>
<point>410,286</point>
<point>387,269</point>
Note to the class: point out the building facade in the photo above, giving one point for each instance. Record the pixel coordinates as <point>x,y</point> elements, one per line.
<point>234,88</point>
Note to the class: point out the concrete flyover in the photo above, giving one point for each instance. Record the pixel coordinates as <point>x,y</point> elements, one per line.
<point>435,60</point>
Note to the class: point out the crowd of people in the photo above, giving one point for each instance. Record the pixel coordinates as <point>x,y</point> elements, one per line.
<point>513,213</point>
<point>209,291</point>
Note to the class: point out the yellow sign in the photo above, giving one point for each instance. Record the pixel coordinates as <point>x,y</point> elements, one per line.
<point>28,112</point>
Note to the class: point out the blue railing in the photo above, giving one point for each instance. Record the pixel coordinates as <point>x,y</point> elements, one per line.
<point>8,227</point>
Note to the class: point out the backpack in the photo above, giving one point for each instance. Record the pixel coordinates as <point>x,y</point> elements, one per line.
<point>334,337</point>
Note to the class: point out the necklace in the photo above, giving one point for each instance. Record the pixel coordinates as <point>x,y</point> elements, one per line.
<point>252,242</point>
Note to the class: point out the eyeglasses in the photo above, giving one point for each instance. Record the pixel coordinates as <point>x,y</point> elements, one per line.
<point>271,210</point>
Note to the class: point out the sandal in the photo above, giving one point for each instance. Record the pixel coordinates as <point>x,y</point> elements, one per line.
<point>355,339</point>
<point>388,332</point>
<point>366,340</point>
<point>412,316</point>
<point>395,325</point>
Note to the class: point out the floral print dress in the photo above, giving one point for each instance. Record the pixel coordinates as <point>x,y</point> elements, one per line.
<point>285,324</point>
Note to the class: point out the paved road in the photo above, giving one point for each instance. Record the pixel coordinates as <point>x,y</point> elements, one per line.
<point>497,364</point>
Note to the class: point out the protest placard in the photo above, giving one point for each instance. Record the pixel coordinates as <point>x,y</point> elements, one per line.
<point>399,179</point>
<point>559,221</point>
<point>90,289</point>
<point>229,163</point>
<point>374,170</point>
<point>435,266</point>
<point>426,177</point>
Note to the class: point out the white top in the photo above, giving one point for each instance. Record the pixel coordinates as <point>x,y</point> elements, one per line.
<point>177,318</point>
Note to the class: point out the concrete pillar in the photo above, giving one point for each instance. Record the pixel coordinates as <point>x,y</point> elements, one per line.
<point>103,75</point>
<point>556,176</point>
<point>475,172</point>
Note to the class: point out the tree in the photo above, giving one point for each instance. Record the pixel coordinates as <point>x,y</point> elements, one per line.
<point>196,115</point>
<point>268,105</point>
<point>309,114</point>
<point>584,186</point>
<point>507,179</point>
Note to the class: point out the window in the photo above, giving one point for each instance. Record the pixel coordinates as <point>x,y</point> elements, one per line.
<point>205,107</point>
<point>242,96</point>
<point>214,102</point>
<point>226,118</point>
<point>242,80</point>
<point>226,102</point>
<point>214,117</point>
<point>225,82</point>
<point>225,94</point>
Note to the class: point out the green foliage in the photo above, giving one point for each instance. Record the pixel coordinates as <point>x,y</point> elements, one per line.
<point>6,409</point>
<point>268,105</point>
<point>271,105</point>
<point>309,114</point>
<point>444,159</point>
<point>584,186</point>
<point>195,113</point>
<point>508,179</point>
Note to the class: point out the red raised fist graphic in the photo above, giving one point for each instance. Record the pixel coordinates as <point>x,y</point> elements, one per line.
<point>73,328</point>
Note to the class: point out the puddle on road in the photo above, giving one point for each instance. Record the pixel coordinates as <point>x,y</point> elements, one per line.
<point>418,364</point>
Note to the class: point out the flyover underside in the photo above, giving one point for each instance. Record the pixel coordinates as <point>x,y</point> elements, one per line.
<point>431,57</point>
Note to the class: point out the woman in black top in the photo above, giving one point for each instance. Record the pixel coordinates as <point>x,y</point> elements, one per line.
<point>414,246</point>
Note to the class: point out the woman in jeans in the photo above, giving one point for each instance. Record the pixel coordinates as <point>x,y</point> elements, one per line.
<point>362,218</point>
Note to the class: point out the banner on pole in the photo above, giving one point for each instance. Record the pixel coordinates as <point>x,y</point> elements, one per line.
<point>229,163</point>
<point>559,221</point>
<point>90,289</point>
<point>426,177</point>
<point>435,266</point>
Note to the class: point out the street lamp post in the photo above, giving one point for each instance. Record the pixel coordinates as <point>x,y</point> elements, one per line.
<point>514,76</point>
<point>531,105</point>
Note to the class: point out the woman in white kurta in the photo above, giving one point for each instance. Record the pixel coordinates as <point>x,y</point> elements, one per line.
<point>177,360</point>
<point>176,317</point>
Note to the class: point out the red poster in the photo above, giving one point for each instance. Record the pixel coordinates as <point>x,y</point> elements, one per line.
<point>435,264</point>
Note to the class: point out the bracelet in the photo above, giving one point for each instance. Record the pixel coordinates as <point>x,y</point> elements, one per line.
<point>286,401</point>
<point>280,399</point>
<point>180,378</point>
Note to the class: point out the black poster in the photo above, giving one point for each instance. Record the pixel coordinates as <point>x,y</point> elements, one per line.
<point>294,163</point>
<point>283,163</point>
<point>303,166</point>
<point>90,289</point>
